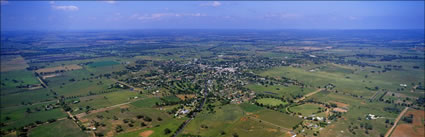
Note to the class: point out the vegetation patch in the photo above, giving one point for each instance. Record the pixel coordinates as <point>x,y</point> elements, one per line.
<point>102,64</point>
<point>270,101</point>
<point>307,109</point>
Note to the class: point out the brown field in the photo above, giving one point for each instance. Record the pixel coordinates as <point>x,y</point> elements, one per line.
<point>65,68</point>
<point>10,63</point>
<point>415,129</point>
<point>185,96</point>
<point>339,110</point>
<point>146,133</point>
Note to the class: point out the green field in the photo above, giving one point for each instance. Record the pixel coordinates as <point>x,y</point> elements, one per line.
<point>62,128</point>
<point>306,109</point>
<point>250,107</point>
<point>354,82</point>
<point>11,79</point>
<point>280,90</point>
<point>278,118</point>
<point>116,116</point>
<point>171,124</point>
<point>149,102</point>
<point>103,64</point>
<point>19,117</point>
<point>270,101</point>
<point>103,100</point>
<point>222,120</point>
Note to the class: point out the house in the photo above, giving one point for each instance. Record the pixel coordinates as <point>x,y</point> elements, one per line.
<point>371,116</point>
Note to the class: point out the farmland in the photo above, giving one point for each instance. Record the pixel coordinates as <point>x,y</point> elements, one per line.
<point>243,83</point>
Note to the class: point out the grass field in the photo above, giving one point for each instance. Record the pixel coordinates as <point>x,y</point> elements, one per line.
<point>116,116</point>
<point>171,124</point>
<point>270,101</point>
<point>306,109</point>
<point>19,117</point>
<point>222,120</point>
<point>103,100</point>
<point>11,79</point>
<point>354,82</point>
<point>149,102</point>
<point>31,96</point>
<point>278,118</point>
<point>250,107</point>
<point>62,128</point>
<point>103,64</point>
<point>280,90</point>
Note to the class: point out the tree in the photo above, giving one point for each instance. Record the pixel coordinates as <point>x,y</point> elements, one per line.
<point>167,131</point>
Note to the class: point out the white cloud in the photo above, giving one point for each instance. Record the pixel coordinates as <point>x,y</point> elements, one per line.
<point>353,18</point>
<point>282,15</point>
<point>211,4</point>
<point>111,1</point>
<point>158,16</point>
<point>65,8</point>
<point>4,2</point>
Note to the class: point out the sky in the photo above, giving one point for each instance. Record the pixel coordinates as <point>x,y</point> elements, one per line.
<point>130,15</point>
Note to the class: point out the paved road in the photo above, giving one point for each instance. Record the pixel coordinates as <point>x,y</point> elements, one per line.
<point>396,121</point>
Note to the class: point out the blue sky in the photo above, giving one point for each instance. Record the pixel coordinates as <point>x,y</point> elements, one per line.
<point>125,15</point>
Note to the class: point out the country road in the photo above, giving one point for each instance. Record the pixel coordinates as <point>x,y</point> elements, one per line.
<point>309,94</point>
<point>263,121</point>
<point>396,121</point>
<point>105,108</point>
<point>128,85</point>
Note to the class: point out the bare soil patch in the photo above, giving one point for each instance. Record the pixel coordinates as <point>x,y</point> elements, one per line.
<point>146,133</point>
<point>415,129</point>
<point>185,96</point>
<point>10,63</point>
<point>339,104</point>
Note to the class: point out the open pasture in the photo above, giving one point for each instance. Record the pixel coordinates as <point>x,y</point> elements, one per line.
<point>209,124</point>
<point>270,101</point>
<point>59,68</point>
<point>130,119</point>
<point>279,90</point>
<point>62,128</point>
<point>307,109</point>
<point>281,119</point>
<point>23,115</point>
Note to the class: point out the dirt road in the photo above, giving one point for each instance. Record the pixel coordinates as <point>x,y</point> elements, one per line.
<point>396,121</point>
<point>309,94</point>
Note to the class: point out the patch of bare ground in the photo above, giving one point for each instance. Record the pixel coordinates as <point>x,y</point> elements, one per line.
<point>10,63</point>
<point>185,96</point>
<point>146,133</point>
<point>414,129</point>
<point>339,104</point>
